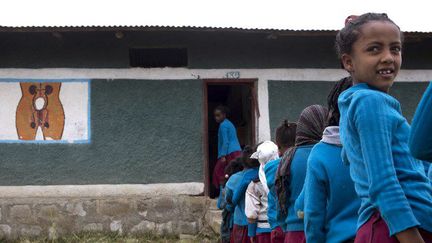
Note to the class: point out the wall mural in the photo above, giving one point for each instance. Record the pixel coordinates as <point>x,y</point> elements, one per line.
<point>44,111</point>
<point>40,107</point>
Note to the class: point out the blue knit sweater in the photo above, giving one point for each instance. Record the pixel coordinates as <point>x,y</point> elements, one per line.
<point>421,129</point>
<point>270,170</point>
<point>331,203</point>
<point>298,175</point>
<point>430,173</point>
<point>387,178</point>
<point>235,194</point>
<point>227,139</point>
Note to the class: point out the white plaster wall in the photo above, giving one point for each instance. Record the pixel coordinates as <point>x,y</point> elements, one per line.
<point>75,100</point>
<point>10,93</point>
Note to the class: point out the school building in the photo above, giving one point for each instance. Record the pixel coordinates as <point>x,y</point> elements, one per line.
<point>109,127</point>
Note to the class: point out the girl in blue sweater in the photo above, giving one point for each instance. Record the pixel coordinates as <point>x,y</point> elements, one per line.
<point>235,190</point>
<point>330,201</point>
<point>227,217</point>
<point>292,169</point>
<point>285,138</point>
<point>396,197</point>
<point>421,130</point>
<point>228,145</point>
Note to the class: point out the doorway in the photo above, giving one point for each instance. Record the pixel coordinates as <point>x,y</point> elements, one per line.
<point>239,95</point>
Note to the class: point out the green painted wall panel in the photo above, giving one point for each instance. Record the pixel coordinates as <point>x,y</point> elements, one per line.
<point>409,95</point>
<point>288,98</point>
<point>142,132</point>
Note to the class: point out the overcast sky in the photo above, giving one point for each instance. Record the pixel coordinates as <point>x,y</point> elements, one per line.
<point>410,15</point>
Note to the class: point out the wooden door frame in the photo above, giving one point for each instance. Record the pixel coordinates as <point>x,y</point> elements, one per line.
<point>255,114</point>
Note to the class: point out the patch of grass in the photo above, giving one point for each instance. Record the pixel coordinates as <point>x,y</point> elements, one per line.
<point>114,238</point>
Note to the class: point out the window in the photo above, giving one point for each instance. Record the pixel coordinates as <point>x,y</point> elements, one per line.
<point>158,57</point>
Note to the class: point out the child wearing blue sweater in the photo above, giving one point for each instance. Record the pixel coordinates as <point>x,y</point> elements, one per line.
<point>235,190</point>
<point>291,172</point>
<point>330,201</point>
<point>395,194</point>
<point>227,216</point>
<point>421,130</point>
<point>285,138</point>
<point>257,193</point>
<point>228,145</point>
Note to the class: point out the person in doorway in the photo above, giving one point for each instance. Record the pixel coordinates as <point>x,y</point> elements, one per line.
<point>228,144</point>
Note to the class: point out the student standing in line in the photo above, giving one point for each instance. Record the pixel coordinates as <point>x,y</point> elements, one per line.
<point>257,194</point>
<point>235,190</point>
<point>330,201</point>
<point>396,196</point>
<point>228,144</point>
<point>291,172</point>
<point>285,138</point>
<point>227,217</point>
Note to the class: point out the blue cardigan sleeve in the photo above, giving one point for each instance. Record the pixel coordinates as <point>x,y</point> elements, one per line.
<point>430,173</point>
<point>315,191</point>
<point>240,191</point>
<point>421,129</point>
<point>224,137</point>
<point>375,128</point>
<point>229,205</point>
<point>252,229</point>
<point>299,202</point>
<point>221,201</point>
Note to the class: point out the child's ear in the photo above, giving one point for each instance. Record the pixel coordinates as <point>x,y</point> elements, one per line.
<point>347,62</point>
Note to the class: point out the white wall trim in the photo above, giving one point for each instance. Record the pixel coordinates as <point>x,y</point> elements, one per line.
<point>288,74</point>
<point>102,191</point>
<point>263,75</point>
<point>263,127</point>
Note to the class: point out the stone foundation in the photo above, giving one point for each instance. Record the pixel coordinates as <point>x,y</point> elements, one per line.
<point>54,211</point>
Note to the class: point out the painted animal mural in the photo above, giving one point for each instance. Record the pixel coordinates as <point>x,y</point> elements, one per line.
<point>40,107</point>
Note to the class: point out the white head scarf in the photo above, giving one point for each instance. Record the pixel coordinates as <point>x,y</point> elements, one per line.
<point>266,152</point>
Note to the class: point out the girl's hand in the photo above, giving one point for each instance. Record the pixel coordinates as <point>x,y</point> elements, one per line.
<point>411,235</point>
<point>300,214</point>
<point>251,221</point>
<point>252,239</point>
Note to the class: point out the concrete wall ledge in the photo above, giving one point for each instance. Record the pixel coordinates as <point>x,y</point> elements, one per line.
<point>54,211</point>
<point>102,191</point>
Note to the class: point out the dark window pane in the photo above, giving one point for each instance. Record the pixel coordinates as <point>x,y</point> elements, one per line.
<point>158,57</point>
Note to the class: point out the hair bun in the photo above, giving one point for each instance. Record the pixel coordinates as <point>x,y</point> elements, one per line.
<point>288,124</point>
<point>350,18</point>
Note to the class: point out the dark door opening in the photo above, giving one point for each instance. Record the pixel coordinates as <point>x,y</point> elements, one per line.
<point>239,96</point>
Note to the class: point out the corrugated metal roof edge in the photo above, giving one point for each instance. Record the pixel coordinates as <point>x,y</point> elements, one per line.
<point>165,27</point>
<point>148,27</point>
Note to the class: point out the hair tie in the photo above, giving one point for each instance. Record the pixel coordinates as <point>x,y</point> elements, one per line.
<point>350,18</point>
